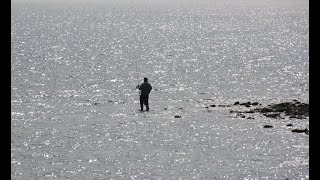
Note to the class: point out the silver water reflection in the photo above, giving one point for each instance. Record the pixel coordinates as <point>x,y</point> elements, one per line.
<point>74,103</point>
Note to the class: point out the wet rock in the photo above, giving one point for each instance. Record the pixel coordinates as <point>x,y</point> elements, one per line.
<point>306,130</point>
<point>273,115</point>
<point>213,105</point>
<point>289,124</point>
<point>241,115</point>
<point>267,126</point>
<point>292,109</point>
<point>177,116</point>
<point>264,110</point>
<point>236,103</point>
<point>251,111</point>
<point>246,104</point>
<point>222,106</point>
<point>250,118</point>
<point>296,117</point>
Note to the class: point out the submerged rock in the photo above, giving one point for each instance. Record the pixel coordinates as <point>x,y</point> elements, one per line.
<point>306,130</point>
<point>255,103</point>
<point>267,126</point>
<point>293,109</point>
<point>246,104</point>
<point>177,116</point>
<point>241,115</point>
<point>273,115</point>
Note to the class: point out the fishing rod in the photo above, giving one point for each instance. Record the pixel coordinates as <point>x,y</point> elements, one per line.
<point>137,71</point>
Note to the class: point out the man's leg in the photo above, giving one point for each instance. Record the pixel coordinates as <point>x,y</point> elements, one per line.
<point>147,103</point>
<point>141,103</point>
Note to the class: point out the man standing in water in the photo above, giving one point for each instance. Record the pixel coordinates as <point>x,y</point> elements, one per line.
<point>144,94</point>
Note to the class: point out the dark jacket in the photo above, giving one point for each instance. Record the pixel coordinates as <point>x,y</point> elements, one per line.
<point>145,88</point>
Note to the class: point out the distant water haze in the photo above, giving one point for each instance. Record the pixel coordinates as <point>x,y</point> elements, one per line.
<point>173,3</point>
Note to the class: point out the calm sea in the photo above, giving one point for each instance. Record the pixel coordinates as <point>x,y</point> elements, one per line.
<point>74,70</point>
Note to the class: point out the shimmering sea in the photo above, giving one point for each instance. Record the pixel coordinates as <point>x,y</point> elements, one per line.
<point>74,106</point>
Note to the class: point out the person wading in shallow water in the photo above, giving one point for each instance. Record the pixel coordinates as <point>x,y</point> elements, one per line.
<point>145,89</point>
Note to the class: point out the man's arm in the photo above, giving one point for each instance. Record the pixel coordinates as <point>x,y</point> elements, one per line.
<point>141,87</point>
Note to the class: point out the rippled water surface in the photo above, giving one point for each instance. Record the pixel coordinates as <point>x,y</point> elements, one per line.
<point>74,102</point>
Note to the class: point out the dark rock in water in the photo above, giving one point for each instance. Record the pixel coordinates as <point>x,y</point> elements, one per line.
<point>264,110</point>
<point>297,117</point>
<point>177,116</point>
<point>236,103</point>
<point>250,118</point>
<point>301,131</point>
<point>267,126</point>
<point>307,131</point>
<point>206,107</point>
<point>222,106</point>
<point>292,109</point>
<point>180,108</point>
<point>213,105</point>
<point>165,108</point>
<point>245,104</point>
<point>273,115</point>
<point>300,117</point>
<point>289,125</point>
<point>241,115</point>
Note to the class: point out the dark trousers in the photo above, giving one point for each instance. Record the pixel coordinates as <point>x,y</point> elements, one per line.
<point>144,100</point>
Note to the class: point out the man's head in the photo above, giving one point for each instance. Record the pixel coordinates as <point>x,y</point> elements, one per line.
<point>145,79</point>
